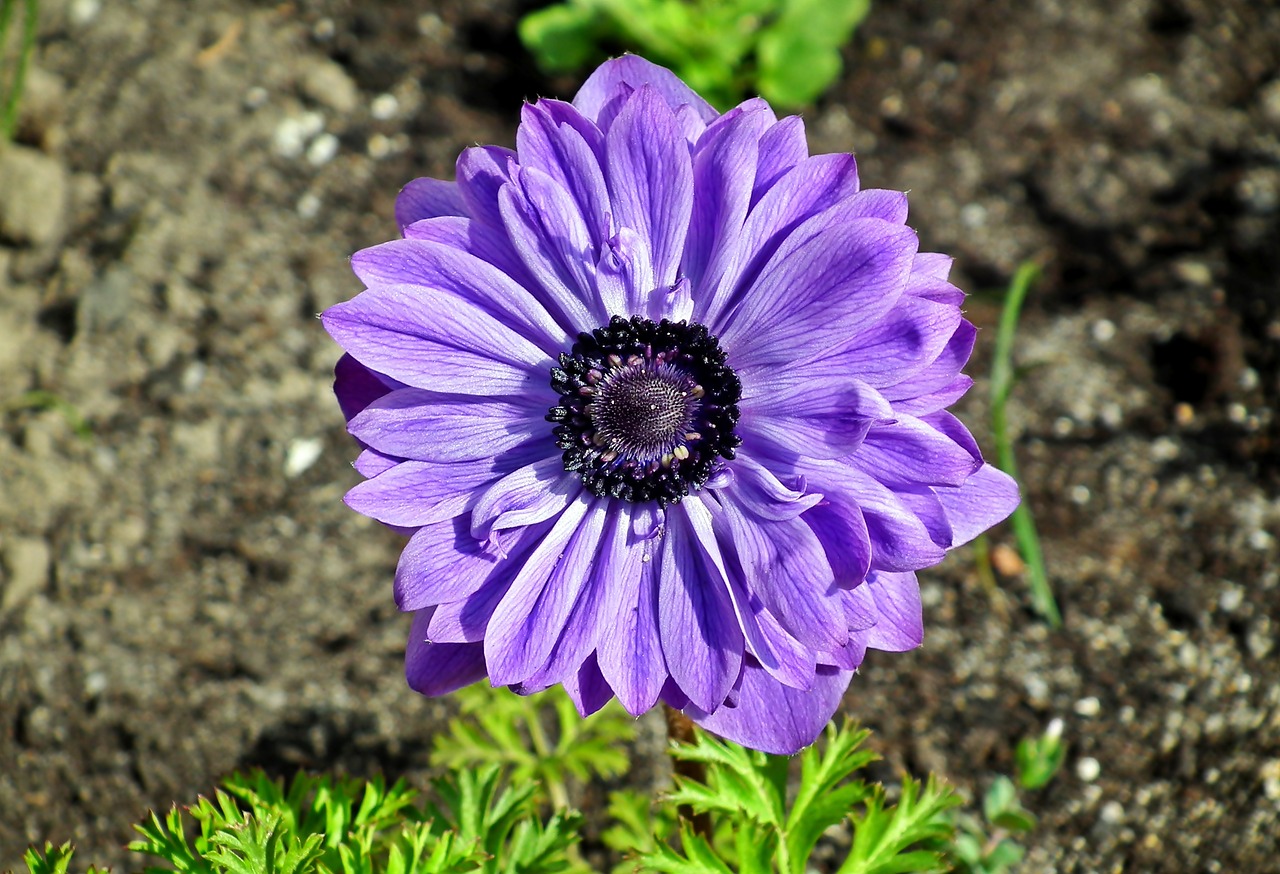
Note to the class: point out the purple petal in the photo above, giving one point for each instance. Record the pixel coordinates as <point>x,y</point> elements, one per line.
<point>371,462</point>
<point>446,270</point>
<point>422,492</point>
<point>624,273</point>
<point>617,78</point>
<point>899,539</point>
<point>842,530</point>
<point>428,198</point>
<point>783,564</point>
<point>629,652</point>
<point>879,203</point>
<point>932,265</point>
<point>765,495</point>
<point>902,344</point>
<point>481,172</point>
<point>817,286</point>
<point>532,614</point>
<point>910,451</point>
<point>600,600</point>
<point>553,138</point>
<point>899,615</point>
<point>357,386</point>
<point>440,668</point>
<point>526,496</point>
<point>700,637</point>
<point>940,383</point>
<point>487,242</point>
<point>425,426</point>
<point>552,240</point>
<point>775,718</point>
<point>985,499</point>
<point>650,176</point>
<point>820,418</point>
<point>724,163</point>
<point>782,147</point>
<point>436,340</point>
<point>587,689</point>
<point>812,187</point>
<point>441,562</point>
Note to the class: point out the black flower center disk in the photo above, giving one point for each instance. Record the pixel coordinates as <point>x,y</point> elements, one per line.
<point>647,409</point>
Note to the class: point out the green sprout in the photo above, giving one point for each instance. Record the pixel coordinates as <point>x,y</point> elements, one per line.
<point>786,50</point>
<point>11,90</point>
<point>990,845</point>
<point>1003,378</point>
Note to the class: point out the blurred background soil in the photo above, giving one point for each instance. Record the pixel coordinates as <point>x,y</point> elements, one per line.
<point>182,592</point>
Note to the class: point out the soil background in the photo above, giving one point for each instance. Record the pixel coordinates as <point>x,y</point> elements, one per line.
<point>182,592</point>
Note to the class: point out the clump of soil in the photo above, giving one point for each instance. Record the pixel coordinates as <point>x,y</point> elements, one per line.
<point>182,592</point>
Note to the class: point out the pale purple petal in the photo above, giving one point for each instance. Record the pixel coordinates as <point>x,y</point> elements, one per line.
<point>436,340</point>
<point>911,451</point>
<point>441,562</point>
<point>440,668</point>
<point>481,172</point>
<point>819,284</point>
<point>899,615</point>
<point>650,176</point>
<point>421,492</point>
<point>775,718</point>
<point>532,614</point>
<point>782,147</point>
<point>616,79</point>
<point>552,240</point>
<point>700,638</point>
<point>443,269</point>
<point>526,496</point>
<point>428,198</point>
<point>426,426</point>
<point>986,498</point>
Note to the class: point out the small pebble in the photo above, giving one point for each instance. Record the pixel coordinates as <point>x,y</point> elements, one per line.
<point>294,132</point>
<point>1104,330</point>
<point>256,97</point>
<point>322,150</point>
<point>1112,813</point>
<point>1088,769</point>
<point>384,107</point>
<point>302,453</point>
<point>1089,706</point>
<point>1080,495</point>
<point>308,206</point>
<point>1261,540</point>
<point>1164,449</point>
<point>1231,598</point>
<point>84,11</point>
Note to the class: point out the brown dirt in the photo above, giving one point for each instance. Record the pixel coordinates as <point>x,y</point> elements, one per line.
<point>182,594</point>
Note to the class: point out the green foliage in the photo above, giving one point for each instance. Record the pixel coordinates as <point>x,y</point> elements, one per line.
<point>787,50</point>
<point>1003,378</point>
<point>763,826</point>
<point>769,813</point>
<point>541,738</point>
<point>257,826</point>
<point>990,845</point>
<point>1038,759</point>
<point>38,399</point>
<point>12,82</point>
<point>52,859</point>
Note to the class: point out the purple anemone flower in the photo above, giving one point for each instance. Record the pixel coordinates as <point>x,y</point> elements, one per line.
<point>659,398</point>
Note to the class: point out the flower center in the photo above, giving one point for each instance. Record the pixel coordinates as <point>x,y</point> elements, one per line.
<point>646,410</point>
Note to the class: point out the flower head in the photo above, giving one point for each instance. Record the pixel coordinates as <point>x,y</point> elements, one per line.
<point>659,398</point>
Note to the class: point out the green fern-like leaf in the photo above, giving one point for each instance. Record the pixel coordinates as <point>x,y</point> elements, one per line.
<point>264,846</point>
<point>883,835</point>
<point>541,738</point>
<point>52,859</point>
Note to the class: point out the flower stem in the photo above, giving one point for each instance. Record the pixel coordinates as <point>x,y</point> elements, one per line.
<point>680,730</point>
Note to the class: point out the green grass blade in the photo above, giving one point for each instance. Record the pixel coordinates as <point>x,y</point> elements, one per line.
<point>1002,381</point>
